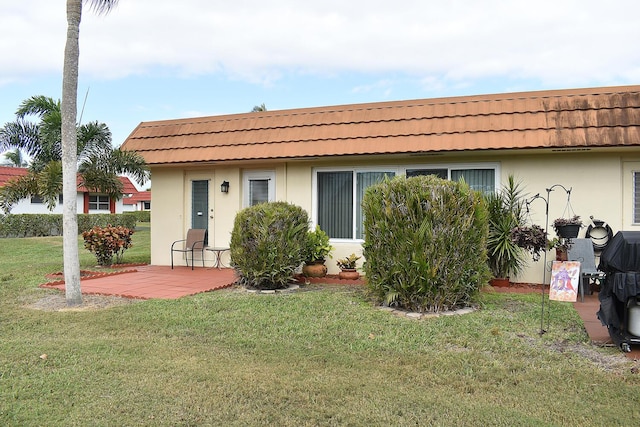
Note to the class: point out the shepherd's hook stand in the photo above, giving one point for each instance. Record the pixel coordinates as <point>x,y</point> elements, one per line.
<point>544,269</point>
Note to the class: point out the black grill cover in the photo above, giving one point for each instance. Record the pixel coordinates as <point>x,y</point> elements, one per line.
<point>622,253</point>
<point>620,260</point>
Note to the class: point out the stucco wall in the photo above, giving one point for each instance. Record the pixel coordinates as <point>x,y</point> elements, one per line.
<point>599,183</point>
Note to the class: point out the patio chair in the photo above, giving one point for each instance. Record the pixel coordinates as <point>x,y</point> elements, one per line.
<point>582,250</point>
<point>195,241</point>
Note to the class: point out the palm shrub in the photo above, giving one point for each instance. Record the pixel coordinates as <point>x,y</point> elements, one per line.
<point>506,213</point>
<point>425,243</point>
<point>268,244</point>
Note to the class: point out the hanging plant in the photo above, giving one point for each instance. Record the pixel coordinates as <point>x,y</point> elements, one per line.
<point>568,227</point>
<point>532,239</point>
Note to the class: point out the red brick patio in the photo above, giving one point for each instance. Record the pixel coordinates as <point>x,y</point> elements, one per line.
<point>154,281</point>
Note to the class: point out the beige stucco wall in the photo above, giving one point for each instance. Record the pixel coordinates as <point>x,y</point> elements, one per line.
<point>600,186</point>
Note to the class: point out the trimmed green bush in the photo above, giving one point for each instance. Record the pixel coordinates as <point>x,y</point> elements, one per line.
<point>268,243</point>
<point>141,216</point>
<point>35,225</point>
<point>425,243</point>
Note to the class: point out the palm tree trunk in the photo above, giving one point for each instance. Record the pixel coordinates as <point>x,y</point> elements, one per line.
<point>69,111</point>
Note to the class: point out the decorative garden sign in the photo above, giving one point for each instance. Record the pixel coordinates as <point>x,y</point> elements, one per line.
<point>565,279</point>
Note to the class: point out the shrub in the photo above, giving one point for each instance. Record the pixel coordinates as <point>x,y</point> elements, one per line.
<point>107,242</point>
<point>425,243</point>
<point>268,243</point>
<point>141,216</point>
<point>318,247</point>
<point>88,221</point>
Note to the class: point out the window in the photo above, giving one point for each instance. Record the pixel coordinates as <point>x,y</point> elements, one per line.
<point>338,193</point>
<point>37,200</point>
<point>99,203</point>
<point>478,179</point>
<point>259,187</point>
<point>339,196</point>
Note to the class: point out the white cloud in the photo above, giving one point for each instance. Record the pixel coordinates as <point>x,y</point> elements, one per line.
<point>444,43</point>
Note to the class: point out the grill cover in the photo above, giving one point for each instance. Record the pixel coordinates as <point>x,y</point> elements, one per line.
<point>622,254</point>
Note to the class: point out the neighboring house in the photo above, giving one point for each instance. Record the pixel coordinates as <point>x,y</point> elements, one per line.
<point>87,201</point>
<point>587,140</point>
<point>139,201</point>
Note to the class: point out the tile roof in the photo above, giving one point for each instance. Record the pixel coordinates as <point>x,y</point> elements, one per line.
<point>142,196</point>
<point>595,117</point>
<point>7,173</point>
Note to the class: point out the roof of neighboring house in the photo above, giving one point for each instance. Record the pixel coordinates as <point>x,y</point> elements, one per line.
<point>142,196</point>
<point>596,117</point>
<point>7,173</point>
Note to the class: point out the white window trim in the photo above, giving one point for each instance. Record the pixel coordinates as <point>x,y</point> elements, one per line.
<point>248,176</point>
<point>635,174</point>
<point>399,170</point>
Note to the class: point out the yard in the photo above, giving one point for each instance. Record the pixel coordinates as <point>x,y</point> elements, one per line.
<point>320,356</point>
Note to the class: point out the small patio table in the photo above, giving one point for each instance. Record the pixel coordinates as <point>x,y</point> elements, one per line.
<point>217,253</point>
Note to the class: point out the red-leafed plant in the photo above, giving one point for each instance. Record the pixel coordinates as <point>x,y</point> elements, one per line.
<point>108,242</point>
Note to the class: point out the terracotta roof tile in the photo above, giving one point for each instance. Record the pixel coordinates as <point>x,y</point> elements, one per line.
<point>7,173</point>
<point>597,117</point>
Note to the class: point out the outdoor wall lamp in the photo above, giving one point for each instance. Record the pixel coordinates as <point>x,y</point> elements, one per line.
<point>224,187</point>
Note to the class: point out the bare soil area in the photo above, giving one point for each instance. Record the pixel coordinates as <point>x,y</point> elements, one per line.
<point>58,302</point>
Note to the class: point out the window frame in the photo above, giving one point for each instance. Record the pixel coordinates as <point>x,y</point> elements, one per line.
<point>96,206</point>
<point>258,175</point>
<point>635,183</point>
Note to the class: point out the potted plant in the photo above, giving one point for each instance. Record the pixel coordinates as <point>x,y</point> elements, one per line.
<point>348,267</point>
<point>505,212</point>
<point>568,228</point>
<point>561,247</point>
<point>317,250</point>
<point>532,239</point>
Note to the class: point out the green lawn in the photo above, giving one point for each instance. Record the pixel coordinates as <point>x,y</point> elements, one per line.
<point>323,356</point>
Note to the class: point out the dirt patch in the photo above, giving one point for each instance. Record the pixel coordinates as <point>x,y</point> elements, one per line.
<point>58,302</point>
<point>614,363</point>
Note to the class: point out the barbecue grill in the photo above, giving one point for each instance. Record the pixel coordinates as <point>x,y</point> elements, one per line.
<point>620,291</point>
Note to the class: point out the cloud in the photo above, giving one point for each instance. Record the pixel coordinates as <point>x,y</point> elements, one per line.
<point>442,43</point>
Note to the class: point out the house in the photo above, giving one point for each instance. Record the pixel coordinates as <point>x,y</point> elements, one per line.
<point>206,169</point>
<point>87,201</point>
<point>138,201</point>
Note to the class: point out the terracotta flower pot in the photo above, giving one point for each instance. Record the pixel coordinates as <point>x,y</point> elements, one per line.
<point>499,282</point>
<point>317,269</point>
<point>349,274</point>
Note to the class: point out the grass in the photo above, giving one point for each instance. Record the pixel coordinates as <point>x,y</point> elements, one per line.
<point>321,357</point>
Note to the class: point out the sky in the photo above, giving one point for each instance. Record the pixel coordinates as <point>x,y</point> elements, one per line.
<point>158,59</point>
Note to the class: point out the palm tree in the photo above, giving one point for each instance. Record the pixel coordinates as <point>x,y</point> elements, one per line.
<point>259,108</point>
<point>69,156</point>
<point>15,158</point>
<point>99,163</point>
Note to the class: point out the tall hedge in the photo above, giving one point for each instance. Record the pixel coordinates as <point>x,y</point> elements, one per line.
<point>35,225</point>
<point>268,244</point>
<point>425,243</point>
